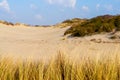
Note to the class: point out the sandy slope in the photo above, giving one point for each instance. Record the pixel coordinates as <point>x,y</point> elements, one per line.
<point>42,43</point>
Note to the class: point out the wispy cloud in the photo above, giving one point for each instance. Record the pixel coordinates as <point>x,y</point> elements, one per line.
<point>33,6</point>
<point>108,7</point>
<point>4,5</point>
<point>97,6</point>
<point>85,8</point>
<point>66,3</point>
<point>38,17</point>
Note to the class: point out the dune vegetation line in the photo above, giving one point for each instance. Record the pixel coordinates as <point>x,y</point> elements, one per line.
<point>96,25</point>
<point>61,68</point>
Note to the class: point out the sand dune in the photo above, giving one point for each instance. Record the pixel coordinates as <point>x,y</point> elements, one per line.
<point>43,43</point>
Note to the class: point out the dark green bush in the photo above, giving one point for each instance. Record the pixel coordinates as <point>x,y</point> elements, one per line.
<point>80,32</point>
<point>106,27</point>
<point>95,25</point>
<point>67,21</point>
<point>117,22</point>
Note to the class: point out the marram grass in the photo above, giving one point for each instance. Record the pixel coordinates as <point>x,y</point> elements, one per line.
<point>61,68</point>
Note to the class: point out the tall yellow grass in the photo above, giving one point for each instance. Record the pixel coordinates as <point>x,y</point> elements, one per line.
<point>61,68</point>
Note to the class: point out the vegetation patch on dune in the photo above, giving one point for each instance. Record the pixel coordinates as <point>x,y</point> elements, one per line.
<point>70,22</point>
<point>6,23</point>
<point>105,23</point>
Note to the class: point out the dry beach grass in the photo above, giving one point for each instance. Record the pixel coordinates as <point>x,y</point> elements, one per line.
<point>61,68</point>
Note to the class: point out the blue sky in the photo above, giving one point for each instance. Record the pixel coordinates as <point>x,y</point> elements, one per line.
<point>45,12</point>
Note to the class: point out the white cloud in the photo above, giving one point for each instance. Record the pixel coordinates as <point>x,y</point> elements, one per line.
<point>97,6</point>
<point>66,3</point>
<point>108,7</point>
<point>38,16</point>
<point>33,6</point>
<point>4,5</point>
<point>85,8</point>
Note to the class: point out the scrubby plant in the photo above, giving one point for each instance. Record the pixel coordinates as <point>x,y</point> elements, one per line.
<point>106,23</point>
<point>117,22</point>
<point>67,21</point>
<point>71,22</point>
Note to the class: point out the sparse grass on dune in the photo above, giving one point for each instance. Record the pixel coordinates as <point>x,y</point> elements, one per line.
<point>61,68</point>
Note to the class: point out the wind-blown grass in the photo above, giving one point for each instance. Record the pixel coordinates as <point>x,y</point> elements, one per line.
<point>61,68</point>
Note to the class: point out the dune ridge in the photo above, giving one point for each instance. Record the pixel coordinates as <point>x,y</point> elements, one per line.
<point>45,42</point>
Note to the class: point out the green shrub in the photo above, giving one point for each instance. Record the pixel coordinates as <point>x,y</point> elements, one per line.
<point>80,32</point>
<point>67,21</point>
<point>117,22</point>
<point>106,27</point>
<point>95,25</point>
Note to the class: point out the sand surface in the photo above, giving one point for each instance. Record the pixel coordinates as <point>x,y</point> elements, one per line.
<point>43,43</point>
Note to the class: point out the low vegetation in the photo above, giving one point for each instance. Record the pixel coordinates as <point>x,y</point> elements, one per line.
<point>106,23</point>
<point>12,24</point>
<point>75,20</point>
<point>70,22</point>
<point>6,23</point>
<point>61,68</point>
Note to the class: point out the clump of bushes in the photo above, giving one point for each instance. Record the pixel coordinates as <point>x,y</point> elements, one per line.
<point>70,22</point>
<point>67,21</point>
<point>117,22</point>
<point>6,23</point>
<point>95,25</point>
<point>73,20</point>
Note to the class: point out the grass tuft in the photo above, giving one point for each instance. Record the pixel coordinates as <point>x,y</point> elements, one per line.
<point>61,68</point>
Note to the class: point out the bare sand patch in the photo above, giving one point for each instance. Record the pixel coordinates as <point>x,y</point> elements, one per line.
<point>43,43</point>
